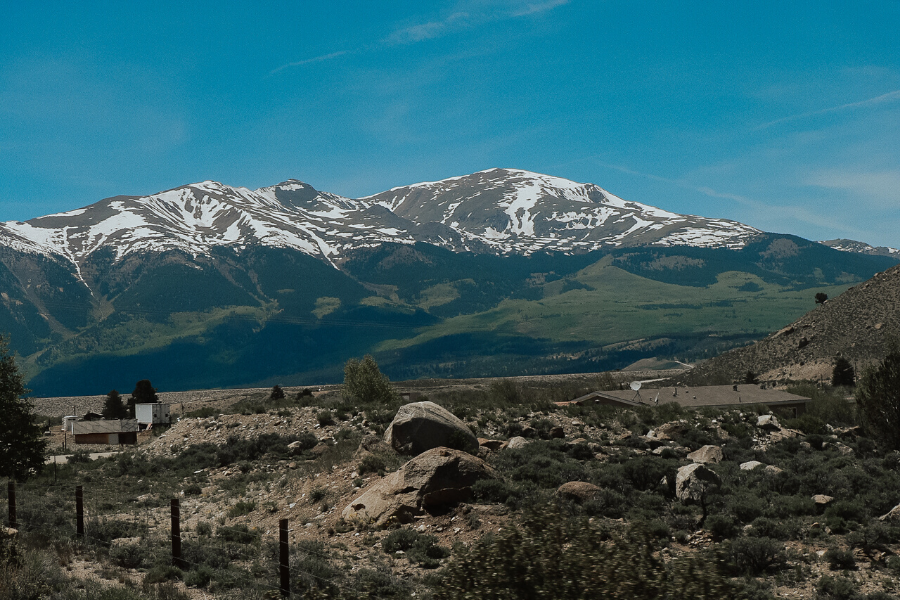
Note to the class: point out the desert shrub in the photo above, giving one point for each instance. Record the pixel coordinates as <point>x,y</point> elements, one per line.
<point>789,529</point>
<point>755,555</point>
<point>722,526</point>
<point>325,418</point>
<point>645,473</point>
<point>849,510</point>
<point>419,548</point>
<point>80,455</point>
<point>199,577</point>
<point>491,490</point>
<point>239,534</point>
<point>840,559</point>
<point>102,531</point>
<point>317,493</point>
<point>161,573</point>
<point>836,588</point>
<point>241,508</point>
<point>505,392</point>
<point>746,507</point>
<point>371,463</point>
<point>131,556</point>
<point>192,490</point>
<point>695,438</point>
<point>548,556</point>
<point>204,528</point>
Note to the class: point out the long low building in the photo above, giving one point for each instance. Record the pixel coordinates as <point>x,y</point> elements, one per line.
<point>712,396</point>
<point>112,431</point>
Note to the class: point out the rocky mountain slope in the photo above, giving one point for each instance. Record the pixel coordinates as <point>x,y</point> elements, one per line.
<point>499,272</point>
<point>859,325</point>
<point>499,211</point>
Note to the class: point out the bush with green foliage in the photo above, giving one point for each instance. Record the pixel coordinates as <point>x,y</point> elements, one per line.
<point>878,400</point>
<point>364,382</point>
<point>549,556</point>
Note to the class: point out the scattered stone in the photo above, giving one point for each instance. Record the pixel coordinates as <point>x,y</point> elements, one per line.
<point>822,499</point>
<point>578,491</point>
<point>707,455</point>
<point>893,515</point>
<point>492,444</point>
<point>773,470</point>
<point>421,426</point>
<point>517,442</point>
<point>693,481</point>
<point>750,465</point>
<point>668,430</point>
<point>436,477</point>
<point>768,422</point>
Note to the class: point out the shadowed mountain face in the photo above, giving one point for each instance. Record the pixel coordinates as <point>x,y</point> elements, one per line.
<point>498,272</point>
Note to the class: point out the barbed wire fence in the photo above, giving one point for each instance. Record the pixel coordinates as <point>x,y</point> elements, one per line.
<point>59,513</point>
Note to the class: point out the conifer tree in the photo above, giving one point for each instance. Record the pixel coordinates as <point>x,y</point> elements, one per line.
<point>21,441</point>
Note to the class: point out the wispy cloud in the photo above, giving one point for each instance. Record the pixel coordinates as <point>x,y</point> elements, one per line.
<point>538,7</point>
<point>459,20</point>
<point>772,214</point>
<point>876,101</point>
<point>308,61</point>
<point>881,186</point>
<point>431,29</point>
<point>467,19</point>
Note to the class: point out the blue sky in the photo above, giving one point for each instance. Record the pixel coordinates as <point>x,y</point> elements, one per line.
<point>782,115</point>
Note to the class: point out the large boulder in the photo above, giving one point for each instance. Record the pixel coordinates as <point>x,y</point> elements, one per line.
<point>750,465</point>
<point>706,455</point>
<point>517,442</point>
<point>768,422</point>
<point>421,426</point>
<point>693,482</point>
<point>435,477</point>
<point>578,491</point>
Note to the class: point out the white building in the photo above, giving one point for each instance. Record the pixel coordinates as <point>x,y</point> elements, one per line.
<point>155,413</point>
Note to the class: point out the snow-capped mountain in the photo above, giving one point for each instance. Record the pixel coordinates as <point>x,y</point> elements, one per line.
<point>862,248</point>
<point>515,211</point>
<point>499,211</point>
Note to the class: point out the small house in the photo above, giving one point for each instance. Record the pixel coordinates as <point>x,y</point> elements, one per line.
<point>707,396</point>
<point>152,413</point>
<point>111,431</point>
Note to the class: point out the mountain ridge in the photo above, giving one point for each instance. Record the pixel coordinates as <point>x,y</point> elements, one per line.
<point>501,211</point>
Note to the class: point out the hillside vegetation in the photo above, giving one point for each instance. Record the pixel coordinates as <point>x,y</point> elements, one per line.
<point>804,520</point>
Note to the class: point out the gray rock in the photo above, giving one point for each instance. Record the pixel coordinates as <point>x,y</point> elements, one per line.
<point>768,422</point>
<point>693,482</point>
<point>421,426</point>
<point>893,515</point>
<point>435,477</point>
<point>706,455</point>
<point>773,470</point>
<point>517,442</point>
<point>750,465</point>
<point>822,499</point>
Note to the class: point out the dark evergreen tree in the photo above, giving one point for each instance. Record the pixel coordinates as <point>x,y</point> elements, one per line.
<point>821,297</point>
<point>113,407</point>
<point>144,393</point>
<point>750,377</point>
<point>878,400</point>
<point>21,441</point>
<point>843,373</point>
<point>277,393</point>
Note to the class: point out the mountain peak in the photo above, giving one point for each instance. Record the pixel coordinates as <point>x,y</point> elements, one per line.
<point>498,210</point>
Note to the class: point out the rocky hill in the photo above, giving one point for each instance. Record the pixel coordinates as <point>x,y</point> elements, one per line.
<point>858,325</point>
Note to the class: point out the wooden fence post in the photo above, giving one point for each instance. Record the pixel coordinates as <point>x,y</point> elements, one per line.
<point>79,511</point>
<point>284,557</point>
<point>11,493</point>
<point>176,534</point>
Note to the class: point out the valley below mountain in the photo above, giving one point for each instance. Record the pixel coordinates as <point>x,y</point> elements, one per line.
<point>502,272</point>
